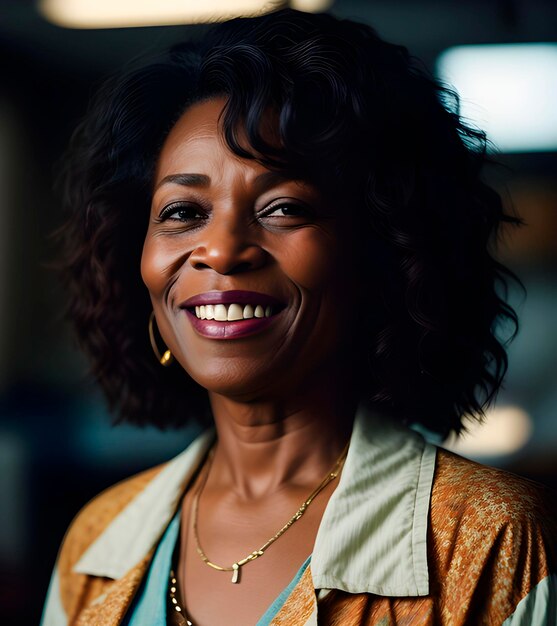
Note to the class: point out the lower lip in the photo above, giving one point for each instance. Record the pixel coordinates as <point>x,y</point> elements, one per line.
<point>230,330</point>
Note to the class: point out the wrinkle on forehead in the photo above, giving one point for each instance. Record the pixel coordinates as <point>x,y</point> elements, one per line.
<point>199,125</point>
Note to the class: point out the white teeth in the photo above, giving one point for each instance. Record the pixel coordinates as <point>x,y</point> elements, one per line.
<point>221,314</point>
<point>232,312</point>
<point>235,312</point>
<point>248,312</point>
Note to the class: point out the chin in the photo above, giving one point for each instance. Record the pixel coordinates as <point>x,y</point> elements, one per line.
<point>240,380</point>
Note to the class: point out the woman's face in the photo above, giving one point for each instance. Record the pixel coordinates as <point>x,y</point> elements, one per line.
<point>266,260</point>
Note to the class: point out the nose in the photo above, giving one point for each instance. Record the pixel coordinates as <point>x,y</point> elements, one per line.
<point>228,247</point>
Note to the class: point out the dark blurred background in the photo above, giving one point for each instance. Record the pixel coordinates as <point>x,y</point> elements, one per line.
<point>57,447</point>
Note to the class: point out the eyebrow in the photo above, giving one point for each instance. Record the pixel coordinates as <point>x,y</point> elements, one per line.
<point>187,180</point>
<point>261,182</point>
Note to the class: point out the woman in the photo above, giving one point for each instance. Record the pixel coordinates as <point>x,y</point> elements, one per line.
<point>290,216</point>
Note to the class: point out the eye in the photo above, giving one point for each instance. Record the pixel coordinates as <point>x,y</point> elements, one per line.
<point>286,209</point>
<point>182,212</point>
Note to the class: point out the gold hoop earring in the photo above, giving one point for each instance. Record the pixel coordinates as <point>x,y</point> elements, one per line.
<point>166,359</point>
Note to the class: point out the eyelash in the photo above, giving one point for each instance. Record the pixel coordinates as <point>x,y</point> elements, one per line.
<point>176,207</point>
<point>305,211</point>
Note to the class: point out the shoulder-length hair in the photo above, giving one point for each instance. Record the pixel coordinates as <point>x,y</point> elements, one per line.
<point>360,118</point>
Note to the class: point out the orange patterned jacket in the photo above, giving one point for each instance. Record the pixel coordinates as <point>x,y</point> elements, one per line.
<point>487,542</point>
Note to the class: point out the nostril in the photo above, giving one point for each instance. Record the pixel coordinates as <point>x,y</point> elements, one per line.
<point>228,258</point>
<point>200,266</point>
<point>240,267</point>
<point>236,269</point>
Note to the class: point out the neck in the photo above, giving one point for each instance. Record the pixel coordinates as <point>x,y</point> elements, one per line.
<point>267,444</point>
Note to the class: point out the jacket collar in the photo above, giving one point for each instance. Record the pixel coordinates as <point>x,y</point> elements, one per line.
<point>372,538</point>
<point>139,526</point>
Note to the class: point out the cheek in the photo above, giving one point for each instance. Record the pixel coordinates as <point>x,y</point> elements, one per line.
<point>311,259</point>
<point>157,265</point>
<point>320,264</point>
<point>325,267</point>
<point>150,269</point>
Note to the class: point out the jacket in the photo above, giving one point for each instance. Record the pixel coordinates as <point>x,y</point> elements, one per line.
<point>413,534</point>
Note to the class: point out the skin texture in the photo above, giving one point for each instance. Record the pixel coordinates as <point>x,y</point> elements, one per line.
<point>283,399</point>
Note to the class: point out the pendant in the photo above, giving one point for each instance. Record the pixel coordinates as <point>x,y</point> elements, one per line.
<point>236,573</point>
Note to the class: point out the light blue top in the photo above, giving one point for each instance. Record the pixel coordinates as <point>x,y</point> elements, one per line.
<point>149,607</point>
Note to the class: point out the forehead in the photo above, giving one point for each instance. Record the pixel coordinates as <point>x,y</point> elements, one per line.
<point>200,120</point>
<point>197,140</point>
<point>195,131</point>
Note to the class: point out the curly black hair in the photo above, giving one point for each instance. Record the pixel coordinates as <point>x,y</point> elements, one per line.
<point>355,114</point>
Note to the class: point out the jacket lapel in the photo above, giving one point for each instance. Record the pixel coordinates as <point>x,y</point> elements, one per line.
<point>300,608</point>
<point>110,607</point>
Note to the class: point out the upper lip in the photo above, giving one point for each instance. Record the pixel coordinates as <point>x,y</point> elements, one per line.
<point>231,297</point>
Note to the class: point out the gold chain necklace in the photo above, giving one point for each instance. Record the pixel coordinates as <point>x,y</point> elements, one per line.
<point>235,567</point>
<point>172,592</point>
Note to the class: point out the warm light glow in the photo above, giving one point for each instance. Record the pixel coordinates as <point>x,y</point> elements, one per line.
<point>505,430</point>
<point>509,90</point>
<point>311,6</point>
<point>123,13</point>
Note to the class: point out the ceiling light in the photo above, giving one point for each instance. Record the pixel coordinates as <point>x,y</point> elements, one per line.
<point>506,429</point>
<point>311,6</point>
<point>508,90</point>
<point>124,13</point>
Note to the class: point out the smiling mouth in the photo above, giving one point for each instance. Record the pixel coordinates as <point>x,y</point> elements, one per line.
<point>233,305</point>
<point>232,312</point>
<point>231,325</point>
